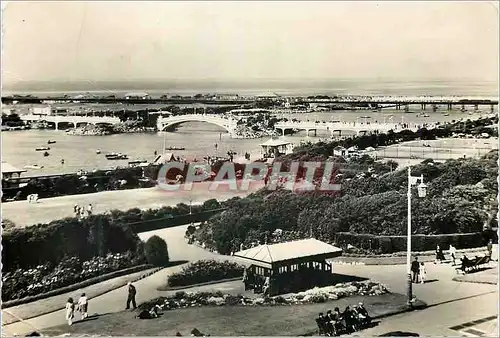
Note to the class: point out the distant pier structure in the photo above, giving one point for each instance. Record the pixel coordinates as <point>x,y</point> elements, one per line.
<point>371,102</point>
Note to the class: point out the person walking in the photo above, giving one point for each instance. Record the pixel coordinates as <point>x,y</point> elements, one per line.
<point>131,296</point>
<point>490,247</point>
<point>76,210</point>
<point>439,254</point>
<point>83,305</point>
<point>70,311</point>
<point>415,268</point>
<point>89,209</point>
<point>422,273</point>
<point>453,253</point>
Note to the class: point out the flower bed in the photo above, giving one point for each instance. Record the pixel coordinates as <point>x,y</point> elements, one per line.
<point>317,295</point>
<point>29,282</point>
<point>205,271</point>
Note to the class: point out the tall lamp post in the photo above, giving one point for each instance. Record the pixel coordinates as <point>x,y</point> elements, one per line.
<point>190,211</point>
<point>422,190</point>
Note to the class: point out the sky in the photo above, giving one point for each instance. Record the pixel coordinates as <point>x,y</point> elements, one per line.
<point>115,41</point>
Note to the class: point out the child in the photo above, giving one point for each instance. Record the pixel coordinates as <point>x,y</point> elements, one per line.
<point>83,305</point>
<point>423,273</point>
<point>70,311</point>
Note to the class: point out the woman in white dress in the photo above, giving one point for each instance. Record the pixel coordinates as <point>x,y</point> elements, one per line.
<point>70,311</point>
<point>83,305</point>
<point>422,272</point>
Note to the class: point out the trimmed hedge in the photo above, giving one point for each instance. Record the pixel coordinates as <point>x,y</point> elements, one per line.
<point>205,271</point>
<point>84,239</point>
<point>390,244</point>
<point>168,222</point>
<point>156,251</point>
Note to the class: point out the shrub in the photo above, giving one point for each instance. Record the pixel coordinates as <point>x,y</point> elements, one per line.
<point>84,239</point>
<point>156,251</point>
<point>205,271</point>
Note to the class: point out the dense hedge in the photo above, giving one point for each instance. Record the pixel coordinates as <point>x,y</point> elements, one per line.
<point>205,271</point>
<point>93,236</point>
<point>391,244</point>
<point>96,235</point>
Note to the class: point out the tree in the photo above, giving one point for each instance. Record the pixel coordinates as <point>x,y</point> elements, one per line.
<point>156,251</point>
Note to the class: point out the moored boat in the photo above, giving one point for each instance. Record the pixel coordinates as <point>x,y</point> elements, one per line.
<point>138,163</point>
<point>42,148</point>
<point>46,154</point>
<point>116,156</point>
<point>33,166</point>
<point>51,142</point>
<point>175,148</point>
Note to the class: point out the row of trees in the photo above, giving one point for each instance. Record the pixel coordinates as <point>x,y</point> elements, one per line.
<point>12,120</point>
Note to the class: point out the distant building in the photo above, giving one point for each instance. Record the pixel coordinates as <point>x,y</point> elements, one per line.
<point>142,96</point>
<point>276,146</point>
<point>41,111</point>
<point>228,96</point>
<point>339,151</point>
<point>345,153</point>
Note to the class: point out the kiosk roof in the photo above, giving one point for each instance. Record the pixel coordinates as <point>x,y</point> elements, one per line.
<point>289,251</point>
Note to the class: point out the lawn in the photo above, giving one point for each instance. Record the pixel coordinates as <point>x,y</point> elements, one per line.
<point>292,320</point>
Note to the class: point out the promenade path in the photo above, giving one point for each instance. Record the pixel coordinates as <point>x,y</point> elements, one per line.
<point>48,209</point>
<point>440,289</point>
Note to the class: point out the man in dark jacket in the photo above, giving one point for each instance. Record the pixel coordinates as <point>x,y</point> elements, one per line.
<point>131,296</point>
<point>415,268</point>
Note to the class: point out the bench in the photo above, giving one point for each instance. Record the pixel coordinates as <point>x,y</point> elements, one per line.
<point>473,264</point>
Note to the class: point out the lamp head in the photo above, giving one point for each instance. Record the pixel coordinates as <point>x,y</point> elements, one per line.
<point>422,189</point>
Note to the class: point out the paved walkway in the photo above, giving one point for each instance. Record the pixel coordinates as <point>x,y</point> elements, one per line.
<point>51,304</point>
<point>24,214</point>
<point>394,276</point>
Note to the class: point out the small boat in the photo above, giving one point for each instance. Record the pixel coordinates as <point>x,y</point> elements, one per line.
<point>33,166</point>
<point>175,148</point>
<point>42,148</point>
<point>51,142</point>
<point>446,114</point>
<point>138,163</point>
<point>425,115</point>
<point>46,154</point>
<point>98,151</point>
<point>116,156</point>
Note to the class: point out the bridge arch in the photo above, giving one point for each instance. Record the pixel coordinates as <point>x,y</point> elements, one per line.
<point>226,123</point>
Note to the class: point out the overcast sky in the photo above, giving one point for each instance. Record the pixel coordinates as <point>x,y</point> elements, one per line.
<point>222,40</point>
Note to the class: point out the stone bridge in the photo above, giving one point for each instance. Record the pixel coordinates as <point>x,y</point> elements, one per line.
<point>73,119</point>
<point>332,127</point>
<point>226,122</point>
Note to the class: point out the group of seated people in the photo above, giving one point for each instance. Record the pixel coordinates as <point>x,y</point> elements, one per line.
<point>154,312</point>
<point>471,264</point>
<point>336,323</point>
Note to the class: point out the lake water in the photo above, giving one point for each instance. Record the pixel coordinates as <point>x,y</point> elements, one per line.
<point>199,139</point>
